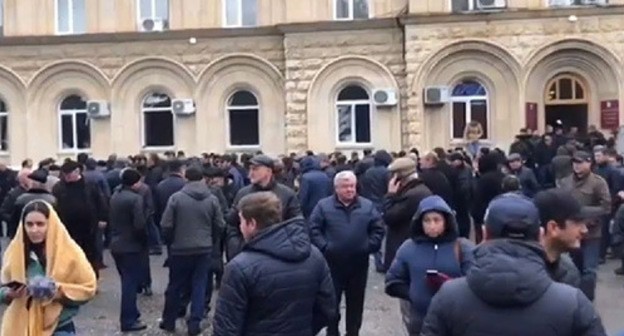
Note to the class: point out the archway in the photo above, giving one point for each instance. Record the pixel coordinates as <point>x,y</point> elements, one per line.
<point>566,103</point>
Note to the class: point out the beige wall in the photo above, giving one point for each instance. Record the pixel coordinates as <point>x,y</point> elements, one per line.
<point>444,6</point>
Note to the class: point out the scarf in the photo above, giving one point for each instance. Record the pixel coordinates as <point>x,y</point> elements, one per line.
<point>65,263</point>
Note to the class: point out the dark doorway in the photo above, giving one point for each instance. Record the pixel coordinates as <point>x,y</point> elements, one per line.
<point>569,116</point>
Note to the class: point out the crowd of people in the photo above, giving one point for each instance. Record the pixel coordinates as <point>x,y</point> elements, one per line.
<point>471,241</point>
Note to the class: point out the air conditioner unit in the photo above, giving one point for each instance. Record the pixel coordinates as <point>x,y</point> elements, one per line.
<point>491,4</point>
<point>436,95</point>
<point>385,97</point>
<point>98,109</point>
<point>154,25</point>
<point>183,106</point>
<point>594,2</point>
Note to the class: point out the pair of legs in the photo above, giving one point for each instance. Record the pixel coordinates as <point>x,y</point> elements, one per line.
<point>131,278</point>
<point>350,280</point>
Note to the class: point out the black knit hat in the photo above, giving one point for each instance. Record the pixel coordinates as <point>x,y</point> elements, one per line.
<point>129,177</point>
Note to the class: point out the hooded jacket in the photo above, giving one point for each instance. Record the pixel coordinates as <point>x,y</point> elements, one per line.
<point>509,292</point>
<point>374,182</point>
<point>445,254</point>
<point>279,285</point>
<point>193,220</point>
<point>313,186</point>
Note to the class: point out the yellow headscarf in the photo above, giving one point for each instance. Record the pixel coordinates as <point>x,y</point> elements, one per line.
<point>66,264</point>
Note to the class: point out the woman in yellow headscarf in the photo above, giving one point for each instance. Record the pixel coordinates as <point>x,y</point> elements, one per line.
<point>42,249</point>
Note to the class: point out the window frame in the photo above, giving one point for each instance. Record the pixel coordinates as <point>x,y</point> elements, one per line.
<point>575,80</point>
<point>229,107</point>
<point>466,100</point>
<point>353,103</point>
<point>571,4</point>
<point>472,6</point>
<point>143,111</point>
<point>351,11</point>
<point>153,15</point>
<point>70,16</point>
<point>239,23</point>
<point>4,113</point>
<point>73,113</point>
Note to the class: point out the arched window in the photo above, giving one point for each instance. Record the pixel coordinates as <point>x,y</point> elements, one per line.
<point>158,126</point>
<point>74,126</point>
<point>353,116</point>
<point>243,117</point>
<point>4,127</point>
<point>470,103</point>
<point>565,89</point>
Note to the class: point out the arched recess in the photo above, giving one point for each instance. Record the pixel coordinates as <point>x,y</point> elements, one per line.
<point>598,67</point>
<point>486,63</point>
<point>220,80</point>
<point>48,88</point>
<point>323,94</point>
<point>12,93</point>
<point>132,84</point>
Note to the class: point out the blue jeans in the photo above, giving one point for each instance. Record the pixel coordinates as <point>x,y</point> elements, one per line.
<point>128,266</point>
<point>186,273</point>
<point>590,255</point>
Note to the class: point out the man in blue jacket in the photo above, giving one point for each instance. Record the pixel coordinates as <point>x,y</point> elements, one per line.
<point>347,228</point>
<point>314,185</point>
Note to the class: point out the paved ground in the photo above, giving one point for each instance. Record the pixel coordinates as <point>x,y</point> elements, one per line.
<point>380,318</point>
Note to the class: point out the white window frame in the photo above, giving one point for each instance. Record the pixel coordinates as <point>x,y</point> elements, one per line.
<point>5,114</point>
<point>229,108</point>
<point>466,100</point>
<point>145,110</point>
<point>70,16</point>
<point>239,19</point>
<point>471,6</point>
<point>73,114</point>
<point>153,15</point>
<point>353,104</point>
<point>547,4</point>
<point>351,10</point>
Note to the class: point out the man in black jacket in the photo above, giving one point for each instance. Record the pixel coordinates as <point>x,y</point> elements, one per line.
<point>8,204</point>
<point>261,176</point>
<point>463,192</point>
<point>279,284</point>
<point>434,179</point>
<point>508,291</point>
<point>128,245</point>
<point>36,191</point>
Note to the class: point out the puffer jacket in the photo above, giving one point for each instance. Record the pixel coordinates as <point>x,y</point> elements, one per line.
<point>279,285</point>
<point>407,277</point>
<point>313,186</point>
<point>509,292</point>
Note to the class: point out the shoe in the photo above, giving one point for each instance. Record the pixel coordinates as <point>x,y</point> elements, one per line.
<point>136,326</point>
<point>161,325</point>
<point>194,331</point>
<point>619,271</point>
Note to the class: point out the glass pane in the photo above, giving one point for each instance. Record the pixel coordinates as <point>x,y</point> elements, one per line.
<point>552,91</point>
<point>345,133</point>
<point>353,92</point>
<point>469,88</point>
<point>146,9</point>
<point>250,12</point>
<point>162,9</point>
<point>157,100</point>
<point>232,10</point>
<point>578,91</point>
<point>362,123</point>
<point>73,102</point>
<point>478,112</point>
<point>1,13</point>
<point>3,107</point>
<point>565,88</point>
<point>80,17</point>
<point>460,5</point>
<point>62,16</point>
<point>158,129</point>
<point>360,9</point>
<point>243,98</point>
<point>67,132</point>
<point>83,131</point>
<point>459,119</point>
<point>342,9</point>
<point>244,127</point>
<point>4,134</point>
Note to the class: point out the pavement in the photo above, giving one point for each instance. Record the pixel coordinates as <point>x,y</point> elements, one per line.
<point>381,316</point>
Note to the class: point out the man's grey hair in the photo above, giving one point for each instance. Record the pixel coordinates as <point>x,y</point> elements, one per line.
<point>345,175</point>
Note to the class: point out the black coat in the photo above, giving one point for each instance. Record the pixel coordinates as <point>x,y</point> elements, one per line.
<point>278,285</point>
<point>509,292</point>
<point>163,191</point>
<point>398,212</point>
<point>6,210</point>
<point>439,185</point>
<point>128,222</point>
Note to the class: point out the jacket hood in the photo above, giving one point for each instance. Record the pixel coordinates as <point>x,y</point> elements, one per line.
<point>288,241</point>
<point>509,273</point>
<point>309,163</point>
<point>382,158</point>
<point>437,204</point>
<point>197,190</point>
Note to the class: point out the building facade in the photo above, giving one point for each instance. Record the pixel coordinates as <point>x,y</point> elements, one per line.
<point>288,75</point>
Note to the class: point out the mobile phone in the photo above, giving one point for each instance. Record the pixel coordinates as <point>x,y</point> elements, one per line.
<point>14,285</point>
<point>432,272</point>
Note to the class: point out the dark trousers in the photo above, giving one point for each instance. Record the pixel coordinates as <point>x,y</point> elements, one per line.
<point>147,271</point>
<point>186,272</point>
<point>351,281</point>
<point>153,236</point>
<point>587,261</point>
<point>131,278</point>
<point>605,239</point>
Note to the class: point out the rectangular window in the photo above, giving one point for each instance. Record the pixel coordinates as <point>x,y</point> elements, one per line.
<point>351,9</point>
<point>240,13</point>
<point>466,111</point>
<point>345,117</point>
<point>354,124</point>
<point>459,119</point>
<point>67,131</point>
<point>362,123</point>
<point>244,127</point>
<point>71,17</point>
<point>1,17</point>
<point>155,10</point>
<point>4,130</point>
<point>83,131</point>
<point>158,128</point>
<point>565,3</point>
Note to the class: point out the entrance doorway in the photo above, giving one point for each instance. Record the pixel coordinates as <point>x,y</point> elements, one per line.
<point>566,103</point>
